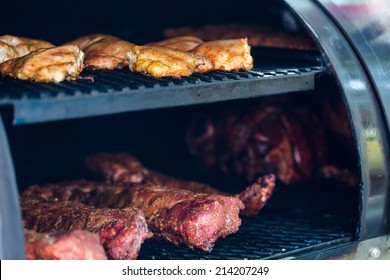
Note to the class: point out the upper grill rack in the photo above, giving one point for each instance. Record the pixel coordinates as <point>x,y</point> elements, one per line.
<point>120,90</point>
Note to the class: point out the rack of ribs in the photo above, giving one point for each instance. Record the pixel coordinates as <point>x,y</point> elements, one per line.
<point>121,231</point>
<point>177,215</point>
<point>63,245</point>
<point>123,168</point>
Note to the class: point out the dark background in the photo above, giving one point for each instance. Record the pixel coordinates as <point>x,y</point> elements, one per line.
<point>137,21</point>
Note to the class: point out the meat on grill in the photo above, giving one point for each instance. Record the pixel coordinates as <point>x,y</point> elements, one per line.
<point>121,231</point>
<point>279,136</point>
<point>183,43</point>
<point>23,45</point>
<point>179,216</point>
<point>6,52</point>
<point>63,245</point>
<point>103,51</point>
<point>227,55</point>
<point>46,65</point>
<point>257,35</point>
<point>166,62</point>
<point>124,168</point>
<point>284,140</point>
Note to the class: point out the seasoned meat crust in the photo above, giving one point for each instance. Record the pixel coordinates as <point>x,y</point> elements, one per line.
<point>179,216</point>
<point>166,62</point>
<point>63,245</point>
<point>103,51</point>
<point>121,231</point>
<point>6,52</point>
<point>124,168</point>
<point>23,45</point>
<point>227,55</point>
<point>46,65</point>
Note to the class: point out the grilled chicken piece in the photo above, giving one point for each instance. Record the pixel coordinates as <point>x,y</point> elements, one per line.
<point>6,52</point>
<point>23,45</point>
<point>46,65</point>
<point>103,51</point>
<point>166,62</point>
<point>121,231</point>
<point>183,43</point>
<point>179,216</point>
<point>123,168</point>
<point>68,245</point>
<point>227,55</point>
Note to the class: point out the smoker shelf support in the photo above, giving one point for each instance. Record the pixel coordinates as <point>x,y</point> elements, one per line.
<point>11,232</point>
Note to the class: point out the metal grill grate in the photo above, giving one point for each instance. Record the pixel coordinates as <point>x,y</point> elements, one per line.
<point>120,90</point>
<point>297,220</point>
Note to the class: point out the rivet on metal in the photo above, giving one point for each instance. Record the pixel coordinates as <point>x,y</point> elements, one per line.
<point>375,253</point>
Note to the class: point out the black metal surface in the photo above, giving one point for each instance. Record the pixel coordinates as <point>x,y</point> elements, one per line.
<point>297,220</point>
<point>275,71</point>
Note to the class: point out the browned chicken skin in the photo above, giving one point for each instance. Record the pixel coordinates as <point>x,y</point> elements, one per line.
<point>123,168</point>
<point>166,62</point>
<point>183,43</point>
<point>23,45</point>
<point>227,55</point>
<point>103,51</point>
<point>46,65</point>
<point>6,52</point>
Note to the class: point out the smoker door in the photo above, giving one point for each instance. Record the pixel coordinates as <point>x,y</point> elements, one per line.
<point>347,46</point>
<point>366,25</point>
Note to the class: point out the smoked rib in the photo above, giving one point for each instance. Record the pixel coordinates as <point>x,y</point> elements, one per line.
<point>121,231</point>
<point>123,168</point>
<point>177,215</point>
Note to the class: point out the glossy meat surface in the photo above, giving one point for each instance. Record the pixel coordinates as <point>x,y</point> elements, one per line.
<point>179,216</point>
<point>227,55</point>
<point>166,62</point>
<point>124,168</point>
<point>283,139</point>
<point>65,245</point>
<point>46,65</point>
<point>121,231</point>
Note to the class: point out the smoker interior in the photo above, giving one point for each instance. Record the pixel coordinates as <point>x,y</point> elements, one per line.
<point>297,221</point>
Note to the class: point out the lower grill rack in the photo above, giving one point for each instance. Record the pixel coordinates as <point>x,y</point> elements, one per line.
<point>297,221</point>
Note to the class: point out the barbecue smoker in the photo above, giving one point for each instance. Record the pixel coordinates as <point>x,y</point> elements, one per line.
<point>47,129</point>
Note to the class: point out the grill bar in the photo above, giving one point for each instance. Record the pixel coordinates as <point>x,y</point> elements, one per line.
<point>288,227</point>
<point>119,91</point>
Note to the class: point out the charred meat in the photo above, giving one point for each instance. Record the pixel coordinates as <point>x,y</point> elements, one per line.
<point>124,168</point>
<point>121,231</point>
<point>179,216</point>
